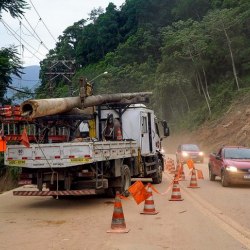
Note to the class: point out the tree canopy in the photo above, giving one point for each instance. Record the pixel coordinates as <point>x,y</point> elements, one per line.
<point>16,8</point>
<point>9,59</point>
<point>189,53</point>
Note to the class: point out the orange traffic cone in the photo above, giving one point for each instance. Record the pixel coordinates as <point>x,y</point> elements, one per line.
<point>193,181</point>
<point>118,224</point>
<point>149,207</point>
<point>176,193</point>
<point>182,174</point>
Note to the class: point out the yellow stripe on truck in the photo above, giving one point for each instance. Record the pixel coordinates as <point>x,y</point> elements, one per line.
<point>16,162</point>
<point>75,160</point>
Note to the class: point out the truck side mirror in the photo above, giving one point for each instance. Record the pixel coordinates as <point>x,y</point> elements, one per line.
<point>166,131</point>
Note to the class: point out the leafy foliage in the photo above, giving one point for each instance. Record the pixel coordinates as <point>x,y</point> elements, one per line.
<point>15,7</point>
<point>9,60</point>
<point>9,64</point>
<point>192,55</point>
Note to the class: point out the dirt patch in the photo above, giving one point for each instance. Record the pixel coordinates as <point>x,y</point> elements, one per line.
<point>232,128</point>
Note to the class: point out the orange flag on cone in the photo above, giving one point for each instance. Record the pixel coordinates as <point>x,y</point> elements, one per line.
<point>190,163</point>
<point>25,139</point>
<point>138,192</point>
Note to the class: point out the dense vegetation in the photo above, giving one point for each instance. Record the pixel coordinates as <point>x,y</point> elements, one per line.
<point>193,54</point>
<point>9,60</point>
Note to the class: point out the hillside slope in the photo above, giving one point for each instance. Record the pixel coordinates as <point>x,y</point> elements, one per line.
<point>232,128</point>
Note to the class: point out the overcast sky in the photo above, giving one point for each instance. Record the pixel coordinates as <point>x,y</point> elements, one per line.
<point>57,16</point>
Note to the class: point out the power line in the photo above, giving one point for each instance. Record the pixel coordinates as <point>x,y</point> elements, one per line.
<point>42,21</point>
<point>21,91</point>
<point>37,36</point>
<point>28,80</point>
<point>15,35</point>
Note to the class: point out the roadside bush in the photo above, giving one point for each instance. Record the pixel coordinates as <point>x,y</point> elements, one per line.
<point>9,176</point>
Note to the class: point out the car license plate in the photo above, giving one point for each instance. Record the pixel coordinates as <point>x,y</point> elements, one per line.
<point>247,176</point>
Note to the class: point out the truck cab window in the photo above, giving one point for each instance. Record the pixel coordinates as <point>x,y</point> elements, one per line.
<point>144,125</point>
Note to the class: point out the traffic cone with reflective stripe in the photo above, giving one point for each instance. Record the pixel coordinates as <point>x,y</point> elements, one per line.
<point>193,180</point>
<point>182,174</point>
<point>118,224</point>
<point>176,192</point>
<point>149,207</point>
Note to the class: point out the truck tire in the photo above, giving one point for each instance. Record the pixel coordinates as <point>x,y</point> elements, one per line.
<point>124,183</point>
<point>224,179</point>
<point>126,180</point>
<point>157,179</point>
<point>211,175</point>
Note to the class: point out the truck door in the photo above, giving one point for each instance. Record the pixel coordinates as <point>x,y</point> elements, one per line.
<point>146,137</point>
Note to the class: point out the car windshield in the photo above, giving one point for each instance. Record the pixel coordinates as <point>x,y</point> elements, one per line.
<point>237,153</point>
<point>190,147</point>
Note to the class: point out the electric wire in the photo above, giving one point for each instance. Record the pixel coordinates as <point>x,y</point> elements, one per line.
<point>15,35</point>
<point>42,21</point>
<point>21,91</point>
<point>25,80</point>
<point>37,37</point>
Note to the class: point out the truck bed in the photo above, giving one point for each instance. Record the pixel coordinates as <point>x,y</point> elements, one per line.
<point>63,155</point>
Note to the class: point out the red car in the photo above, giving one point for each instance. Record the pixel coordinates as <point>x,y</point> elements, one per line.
<point>189,151</point>
<point>232,164</point>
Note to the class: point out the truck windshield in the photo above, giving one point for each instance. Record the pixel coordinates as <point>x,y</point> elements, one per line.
<point>237,153</point>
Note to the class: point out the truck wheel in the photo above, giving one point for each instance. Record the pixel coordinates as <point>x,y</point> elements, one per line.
<point>126,183</point>
<point>122,184</point>
<point>158,175</point>
<point>224,179</point>
<point>211,175</point>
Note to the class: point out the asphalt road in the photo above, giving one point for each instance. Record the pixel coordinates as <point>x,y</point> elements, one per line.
<point>209,217</point>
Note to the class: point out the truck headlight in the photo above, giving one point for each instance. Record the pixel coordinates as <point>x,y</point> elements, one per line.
<point>231,169</point>
<point>201,153</point>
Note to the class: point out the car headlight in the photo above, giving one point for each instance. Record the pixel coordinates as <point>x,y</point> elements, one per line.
<point>184,154</point>
<point>231,169</point>
<point>201,153</point>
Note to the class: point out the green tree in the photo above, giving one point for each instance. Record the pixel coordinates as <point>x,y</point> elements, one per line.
<point>9,64</point>
<point>195,9</point>
<point>9,61</point>
<point>16,8</point>
<point>223,25</point>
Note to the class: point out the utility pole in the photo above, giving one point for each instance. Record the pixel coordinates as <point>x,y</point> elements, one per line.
<point>61,68</point>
